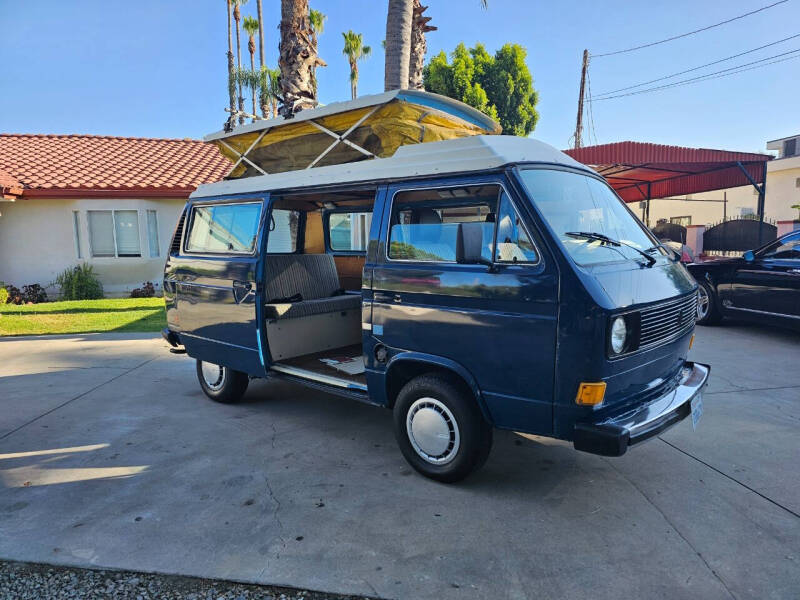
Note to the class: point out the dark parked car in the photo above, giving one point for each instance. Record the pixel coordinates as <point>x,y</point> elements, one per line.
<point>762,285</point>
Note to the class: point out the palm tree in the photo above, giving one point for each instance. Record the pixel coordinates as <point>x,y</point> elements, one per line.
<point>248,78</point>
<point>317,19</point>
<point>251,26</point>
<point>419,46</point>
<point>231,74</point>
<point>298,58</point>
<point>237,16</point>
<point>398,44</point>
<point>269,91</point>
<point>260,34</point>
<point>354,50</point>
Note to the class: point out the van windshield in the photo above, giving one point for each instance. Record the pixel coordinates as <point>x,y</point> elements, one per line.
<point>574,204</point>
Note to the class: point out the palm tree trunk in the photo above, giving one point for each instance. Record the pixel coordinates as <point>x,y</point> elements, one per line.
<point>419,46</point>
<point>237,17</point>
<point>398,44</point>
<point>253,69</point>
<point>353,79</point>
<point>298,58</point>
<point>231,82</point>
<point>260,35</point>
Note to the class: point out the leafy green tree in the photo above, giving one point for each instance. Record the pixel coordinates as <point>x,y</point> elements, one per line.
<point>500,86</point>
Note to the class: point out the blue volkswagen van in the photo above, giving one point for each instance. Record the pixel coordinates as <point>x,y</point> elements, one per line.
<point>469,284</point>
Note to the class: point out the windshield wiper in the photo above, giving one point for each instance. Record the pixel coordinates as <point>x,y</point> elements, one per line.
<point>670,252</point>
<point>591,235</point>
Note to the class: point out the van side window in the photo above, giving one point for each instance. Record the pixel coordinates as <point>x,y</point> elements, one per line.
<point>284,226</point>
<point>224,228</point>
<point>513,242</point>
<point>424,223</point>
<point>349,232</point>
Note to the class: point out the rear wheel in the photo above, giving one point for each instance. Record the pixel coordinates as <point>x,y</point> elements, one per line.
<point>440,429</point>
<point>708,312</point>
<point>221,384</point>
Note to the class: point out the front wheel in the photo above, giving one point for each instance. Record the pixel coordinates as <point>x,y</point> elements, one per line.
<point>221,384</point>
<point>440,429</point>
<point>708,312</point>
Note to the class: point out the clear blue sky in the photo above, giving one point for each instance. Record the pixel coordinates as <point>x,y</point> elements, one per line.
<point>155,68</point>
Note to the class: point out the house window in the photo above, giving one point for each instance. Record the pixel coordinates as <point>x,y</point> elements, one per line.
<point>349,231</point>
<point>76,227</point>
<point>789,148</point>
<point>114,233</point>
<point>152,233</point>
<point>682,221</point>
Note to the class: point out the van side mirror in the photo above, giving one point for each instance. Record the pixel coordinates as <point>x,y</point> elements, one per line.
<point>469,245</point>
<point>749,256</point>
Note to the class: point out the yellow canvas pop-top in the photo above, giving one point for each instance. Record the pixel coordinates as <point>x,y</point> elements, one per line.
<point>345,132</point>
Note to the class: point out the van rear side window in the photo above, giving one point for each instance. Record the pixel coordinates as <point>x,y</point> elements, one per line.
<point>224,228</point>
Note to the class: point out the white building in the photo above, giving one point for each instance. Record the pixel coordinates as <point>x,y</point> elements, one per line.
<point>112,202</point>
<point>783,192</point>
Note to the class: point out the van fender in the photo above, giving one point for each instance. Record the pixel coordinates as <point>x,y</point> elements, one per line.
<point>441,363</point>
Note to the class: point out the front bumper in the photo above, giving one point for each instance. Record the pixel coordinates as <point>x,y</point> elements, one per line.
<point>613,436</point>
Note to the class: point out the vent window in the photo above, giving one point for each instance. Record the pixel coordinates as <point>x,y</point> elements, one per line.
<point>175,248</point>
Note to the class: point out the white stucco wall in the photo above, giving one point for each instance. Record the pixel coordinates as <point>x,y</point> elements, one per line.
<point>782,193</point>
<point>37,242</point>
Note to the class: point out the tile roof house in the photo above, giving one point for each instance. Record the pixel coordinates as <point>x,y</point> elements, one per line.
<point>109,201</point>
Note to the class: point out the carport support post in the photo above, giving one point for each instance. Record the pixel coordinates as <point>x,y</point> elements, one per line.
<point>647,206</point>
<point>762,193</point>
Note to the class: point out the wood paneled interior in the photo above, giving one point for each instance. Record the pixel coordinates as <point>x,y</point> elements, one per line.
<point>349,267</point>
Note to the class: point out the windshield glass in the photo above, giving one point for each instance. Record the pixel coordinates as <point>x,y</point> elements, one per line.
<point>573,203</point>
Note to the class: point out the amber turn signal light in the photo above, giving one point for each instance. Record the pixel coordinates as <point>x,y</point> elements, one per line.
<point>691,342</point>
<point>591,394</point>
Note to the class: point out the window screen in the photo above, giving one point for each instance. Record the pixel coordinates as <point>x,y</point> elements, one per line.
<point>101,232</point>
<point>424,223</point>
<point>126,229</point>
<point>152,233</point>
<point>349,232</point>
<point>224,228</point>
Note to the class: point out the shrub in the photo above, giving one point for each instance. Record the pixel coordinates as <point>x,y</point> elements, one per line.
<point>79,283</point>
<point>33,293</point>
<point>14,295</point>
<point>3,295</point>
<point>146,291</point>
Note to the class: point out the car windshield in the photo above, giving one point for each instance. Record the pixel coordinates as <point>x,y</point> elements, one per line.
<point>575,204</point>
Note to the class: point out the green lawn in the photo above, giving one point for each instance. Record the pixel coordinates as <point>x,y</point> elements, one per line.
<point>83,316</point>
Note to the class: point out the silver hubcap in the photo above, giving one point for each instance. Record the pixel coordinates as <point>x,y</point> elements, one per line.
<point>702,303</point>
<point>433,431</point>
<point>213,375</point>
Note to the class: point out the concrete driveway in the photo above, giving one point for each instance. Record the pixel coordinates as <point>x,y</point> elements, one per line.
<point>110,456</point>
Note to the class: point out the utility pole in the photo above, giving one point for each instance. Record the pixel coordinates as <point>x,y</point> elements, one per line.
<point>579,122</point>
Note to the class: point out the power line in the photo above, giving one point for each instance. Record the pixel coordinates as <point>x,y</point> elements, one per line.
<point>715,75</point>
<point>630,87</point>
<point>676,37</point>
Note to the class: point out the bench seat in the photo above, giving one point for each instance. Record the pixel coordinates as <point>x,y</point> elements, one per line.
<point>316,306</point>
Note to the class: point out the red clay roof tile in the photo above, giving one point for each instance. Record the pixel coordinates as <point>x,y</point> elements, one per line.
<point>75,163</point>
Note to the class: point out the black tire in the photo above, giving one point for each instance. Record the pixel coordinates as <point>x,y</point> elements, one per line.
<point>228,388</point>
<point>708,310</point>
<point>459,417</point>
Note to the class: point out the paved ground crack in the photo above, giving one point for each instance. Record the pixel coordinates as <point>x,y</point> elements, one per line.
<point>674,528</point>
<point>274,499</point>
<point>744,485</point>
<point>81,395</point>
<point>743,389</point>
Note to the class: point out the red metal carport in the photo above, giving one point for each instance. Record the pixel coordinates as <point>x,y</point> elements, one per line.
<point>642,171</point>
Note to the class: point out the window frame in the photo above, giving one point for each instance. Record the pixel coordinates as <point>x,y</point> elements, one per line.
<point>113,212</point>
<point>495,263</point>
<point>326,230</point>
<point>187,230</point>
<point>76,227</point>
<point>150,248</point>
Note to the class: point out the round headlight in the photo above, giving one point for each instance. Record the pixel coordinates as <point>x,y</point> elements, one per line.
<point>619,333</point>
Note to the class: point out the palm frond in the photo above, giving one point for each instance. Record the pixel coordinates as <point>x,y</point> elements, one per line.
<point>317,19</point>
<point>250,25</point>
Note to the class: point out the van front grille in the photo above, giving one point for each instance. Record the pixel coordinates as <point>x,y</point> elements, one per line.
<point>667,321</point>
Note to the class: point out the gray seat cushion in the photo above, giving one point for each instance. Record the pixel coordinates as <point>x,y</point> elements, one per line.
<point>314,277</point>
<point>310,275</point>
<point>317,306</point>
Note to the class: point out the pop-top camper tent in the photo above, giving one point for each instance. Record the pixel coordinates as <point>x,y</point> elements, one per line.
<point>344,132</point>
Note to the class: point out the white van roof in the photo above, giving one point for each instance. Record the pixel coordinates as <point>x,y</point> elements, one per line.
<point>463,155</point>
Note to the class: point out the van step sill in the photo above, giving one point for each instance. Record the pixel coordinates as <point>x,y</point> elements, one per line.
<point>318,377</point>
